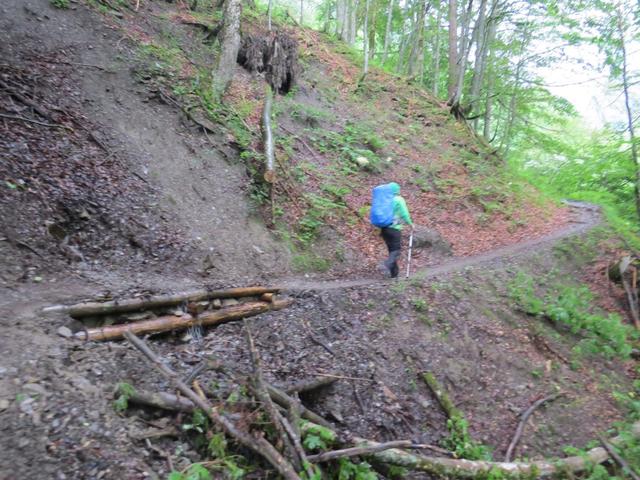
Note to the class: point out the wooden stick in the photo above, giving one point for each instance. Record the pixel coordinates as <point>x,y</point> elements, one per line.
<point>256,443</point>
<point>523,422</point>
<point>164,324</point>
<point>27,101</point>
<point>127,305</point>
<point>263,396</point>
<point>30,120</point>
<point>308,385</point>
<point>165,401</point>
<point>618,459</point>
<point>343,377</point>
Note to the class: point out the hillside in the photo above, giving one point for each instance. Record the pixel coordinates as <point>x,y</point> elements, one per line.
<point>123,177</point>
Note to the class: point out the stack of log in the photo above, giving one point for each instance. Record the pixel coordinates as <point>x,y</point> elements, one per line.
<point>176,311</point>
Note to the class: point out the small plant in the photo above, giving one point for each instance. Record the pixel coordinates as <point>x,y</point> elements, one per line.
<point>419,304</point>
<point>124,391</point>
<point>461,443</point>
<point>60,3</point>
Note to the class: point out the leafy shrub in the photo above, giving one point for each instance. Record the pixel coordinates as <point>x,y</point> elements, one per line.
<point>570,306</point>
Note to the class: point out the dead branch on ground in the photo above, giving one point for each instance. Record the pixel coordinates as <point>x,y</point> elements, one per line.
<point>262,395</point>
<point>254,442</point>
<point>523,421</point>
<point>618,459</point>
<point>308,385</point>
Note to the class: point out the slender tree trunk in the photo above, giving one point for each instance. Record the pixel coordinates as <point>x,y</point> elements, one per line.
<point>453,48</point>
<point>365,39</point>
<point>269,8</point>
<point>372,30</point>
<point>465,46</point>
<point>387,32</point>
<point>301,10</point>
<point>229,46</point>
<point>353,21</point>
<point>436,54</point>
<point>417,47</point>
<point>627,104</point>
<point>488,107</point>
<point>341,19</point>
<point>481,55</point>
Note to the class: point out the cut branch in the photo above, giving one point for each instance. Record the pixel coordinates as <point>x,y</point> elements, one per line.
<point>164,324</point>
<point>254,442</point>
<point>523,422</point>
<point>267,136</point>
<point>156,301</point>
<point>308,385</point>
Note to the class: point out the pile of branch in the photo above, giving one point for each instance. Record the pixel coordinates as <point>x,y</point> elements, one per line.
<point>286,455</point>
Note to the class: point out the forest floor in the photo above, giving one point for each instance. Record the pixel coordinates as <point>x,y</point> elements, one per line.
<point>124,197</point>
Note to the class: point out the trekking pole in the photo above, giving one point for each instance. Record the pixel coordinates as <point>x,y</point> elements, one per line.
<point>409,254</point>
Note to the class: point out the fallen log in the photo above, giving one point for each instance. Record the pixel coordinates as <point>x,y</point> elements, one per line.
<point>442,396</point>
<point>164,324</point>
<point>444,467</point>
<point>254,442</point>
<point>145,303</point>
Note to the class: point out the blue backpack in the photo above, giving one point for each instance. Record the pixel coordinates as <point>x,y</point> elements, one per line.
<point>382,206</point>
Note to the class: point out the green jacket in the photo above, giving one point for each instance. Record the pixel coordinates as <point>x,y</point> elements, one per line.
<point>400,210</point>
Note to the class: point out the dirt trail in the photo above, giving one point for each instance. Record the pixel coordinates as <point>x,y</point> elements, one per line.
<point>586,216</point>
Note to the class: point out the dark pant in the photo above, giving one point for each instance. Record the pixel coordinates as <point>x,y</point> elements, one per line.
<point>393,238</point>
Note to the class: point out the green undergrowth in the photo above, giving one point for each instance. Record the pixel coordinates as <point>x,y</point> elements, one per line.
<point>569,307</point>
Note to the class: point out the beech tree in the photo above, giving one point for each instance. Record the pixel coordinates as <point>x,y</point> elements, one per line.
<point>229,46</point>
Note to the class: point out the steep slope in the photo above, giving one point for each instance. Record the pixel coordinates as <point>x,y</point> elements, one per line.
<point>133,187</point>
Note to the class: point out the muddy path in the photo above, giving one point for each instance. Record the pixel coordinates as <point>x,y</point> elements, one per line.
<point>585,217</point>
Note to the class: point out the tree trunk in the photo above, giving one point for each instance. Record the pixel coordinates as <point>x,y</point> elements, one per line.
<point>453,48</point>
<point>480,57</point>
<point>365,39</point>
<point>627,104</point>
<point>465,46</point>
<point>267,135</point>
<point>269,9</point>
<point>301,11</point>
<point>488,107</point>
<point>341,7</point>
<point>417,47</point>
<point>353,4</point>
<point>436,55</point>
<point>229,46</point>
<point>387,32</point>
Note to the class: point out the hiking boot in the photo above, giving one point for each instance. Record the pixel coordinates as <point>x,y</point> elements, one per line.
<point>382,268</point>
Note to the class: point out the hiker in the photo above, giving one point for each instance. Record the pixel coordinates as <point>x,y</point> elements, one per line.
<point>389,212</point>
